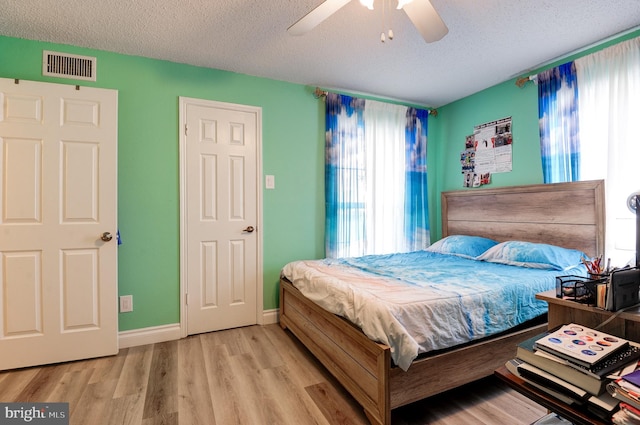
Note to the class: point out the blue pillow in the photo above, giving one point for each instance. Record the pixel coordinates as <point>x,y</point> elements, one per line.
<point>533,255</point>
<point>462,245</point>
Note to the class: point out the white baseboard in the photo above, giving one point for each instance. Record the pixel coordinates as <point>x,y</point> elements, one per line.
<point>150,335</point>
<point>270,317</point>
<point>156,334</point>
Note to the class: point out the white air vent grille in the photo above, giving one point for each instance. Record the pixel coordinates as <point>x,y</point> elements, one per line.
<point>65,65</point>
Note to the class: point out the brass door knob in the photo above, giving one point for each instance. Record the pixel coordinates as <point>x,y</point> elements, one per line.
<point>249,229</point>
<point>106,236</point>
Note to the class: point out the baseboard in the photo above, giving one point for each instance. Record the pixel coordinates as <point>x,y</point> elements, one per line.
<point>150,335</point>
<point>269,317</point>
<point>156,334</point>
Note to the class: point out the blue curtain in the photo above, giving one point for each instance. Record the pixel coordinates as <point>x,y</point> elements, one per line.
<point>344,195</point>
<point>559,126</point>
<point>350,210</point>
<point>416,206</point>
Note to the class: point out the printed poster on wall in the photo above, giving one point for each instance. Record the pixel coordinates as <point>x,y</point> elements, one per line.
<point>488,150</point>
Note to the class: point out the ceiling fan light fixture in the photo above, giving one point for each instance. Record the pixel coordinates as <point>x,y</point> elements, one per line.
<point>367,3</point>
<point>421,13</point>
<point>401,3</point>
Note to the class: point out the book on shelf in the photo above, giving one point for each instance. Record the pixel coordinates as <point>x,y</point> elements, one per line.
<point>633,378</point>
<point>627,388</point>
<point>628,354</point>
<point>558,367</point>
<point>548,380</point>
<point>623,395</point>
<point>581,345</point>
<point>626,415</point>
<point>512,366</point>
<point>603,405</point>
<point>600,371</point>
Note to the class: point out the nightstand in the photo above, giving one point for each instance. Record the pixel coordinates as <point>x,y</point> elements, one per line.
<point>561,312</point>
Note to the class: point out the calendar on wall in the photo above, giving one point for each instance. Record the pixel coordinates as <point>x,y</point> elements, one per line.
<point>488,150</point>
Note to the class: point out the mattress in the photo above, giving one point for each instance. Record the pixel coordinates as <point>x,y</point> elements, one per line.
<point>423,301</point>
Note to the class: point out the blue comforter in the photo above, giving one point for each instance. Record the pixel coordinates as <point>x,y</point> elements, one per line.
<point>422,301</point>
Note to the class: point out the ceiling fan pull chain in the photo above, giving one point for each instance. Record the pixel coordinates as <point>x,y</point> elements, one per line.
<point>386,5</point>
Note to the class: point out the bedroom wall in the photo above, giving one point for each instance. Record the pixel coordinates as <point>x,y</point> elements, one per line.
<point>293,151</point>
<point>456,120</point>
<point>148,198</point>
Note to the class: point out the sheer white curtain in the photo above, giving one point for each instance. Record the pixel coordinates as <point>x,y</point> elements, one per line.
<point>385,178</point>
<point>375,177</point>
<point>609,113</point>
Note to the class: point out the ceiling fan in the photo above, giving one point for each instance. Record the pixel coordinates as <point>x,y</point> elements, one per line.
<point>424,17</point>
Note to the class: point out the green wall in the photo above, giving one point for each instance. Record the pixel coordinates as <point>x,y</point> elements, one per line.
<point>148,169</point>
<point>292,151</point>
<point>456,120</point>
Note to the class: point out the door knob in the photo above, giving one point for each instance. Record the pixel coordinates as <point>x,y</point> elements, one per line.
<point>249,229</point>
<point>106,236</point>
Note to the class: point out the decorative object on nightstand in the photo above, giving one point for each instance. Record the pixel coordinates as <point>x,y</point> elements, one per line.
<point>611,290</point>
<point>587,350</point>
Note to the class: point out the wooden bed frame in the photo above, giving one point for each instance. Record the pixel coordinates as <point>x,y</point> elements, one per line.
<point>564,214</point>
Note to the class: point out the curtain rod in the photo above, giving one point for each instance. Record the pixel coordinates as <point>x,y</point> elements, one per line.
<point>521,81</point>
<point>319,93</point>
<point>524,80</point>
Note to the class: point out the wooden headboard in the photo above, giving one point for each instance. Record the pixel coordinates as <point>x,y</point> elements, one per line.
<point>571,215</point>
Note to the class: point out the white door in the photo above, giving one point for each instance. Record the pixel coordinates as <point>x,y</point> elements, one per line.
<point>220,165</point>
<point>58,276</point>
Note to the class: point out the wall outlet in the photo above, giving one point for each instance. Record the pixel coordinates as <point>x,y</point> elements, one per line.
<point>126,303</point>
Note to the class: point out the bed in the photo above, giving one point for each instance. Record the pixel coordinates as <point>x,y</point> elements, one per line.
<point>569,215</point>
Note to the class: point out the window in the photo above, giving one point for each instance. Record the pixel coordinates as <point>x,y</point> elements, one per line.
<point>606,107</point>
<point>376,174</point>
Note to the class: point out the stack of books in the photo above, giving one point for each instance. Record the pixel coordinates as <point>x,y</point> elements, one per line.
<point>627,390</point>
<point>575,364</point>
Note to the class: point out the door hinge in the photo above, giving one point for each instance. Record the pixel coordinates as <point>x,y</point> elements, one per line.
<point>186,129</point>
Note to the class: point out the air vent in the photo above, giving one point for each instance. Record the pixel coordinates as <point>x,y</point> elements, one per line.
<point>65,65</point>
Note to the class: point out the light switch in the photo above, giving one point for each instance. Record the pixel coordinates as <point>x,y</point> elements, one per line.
<point>270,181</point>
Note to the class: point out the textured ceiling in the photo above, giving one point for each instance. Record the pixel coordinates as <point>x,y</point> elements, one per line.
<point>489,41</point>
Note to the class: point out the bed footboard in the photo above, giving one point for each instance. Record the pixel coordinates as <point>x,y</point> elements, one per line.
<point>364,369</point>
<point>359,364</point>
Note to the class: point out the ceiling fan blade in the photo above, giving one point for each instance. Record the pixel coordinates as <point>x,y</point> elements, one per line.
<point>426,19</point>
<point>317,15</point>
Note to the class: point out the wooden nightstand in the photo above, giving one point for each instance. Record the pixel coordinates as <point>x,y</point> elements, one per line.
<point>561,312</point>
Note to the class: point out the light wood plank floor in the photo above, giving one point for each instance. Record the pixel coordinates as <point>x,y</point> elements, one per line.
<point>249,376</point>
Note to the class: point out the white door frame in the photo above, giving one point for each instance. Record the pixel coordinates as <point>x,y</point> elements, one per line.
<point>183,102</point>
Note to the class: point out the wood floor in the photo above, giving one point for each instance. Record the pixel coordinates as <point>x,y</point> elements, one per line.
<point>250,376</point>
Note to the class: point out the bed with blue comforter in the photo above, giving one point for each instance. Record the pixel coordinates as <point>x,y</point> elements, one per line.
<point>394,329</point>
<point>461,289</point>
